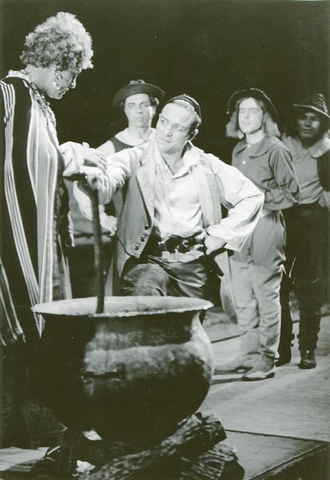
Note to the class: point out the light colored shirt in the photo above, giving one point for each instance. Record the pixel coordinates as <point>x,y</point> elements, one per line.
<point>108,222</point>
<point>238,194</point>
<point>177,206</point>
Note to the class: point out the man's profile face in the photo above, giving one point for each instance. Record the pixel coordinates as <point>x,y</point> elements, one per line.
<point>138,110</point>
<point>309,125</point>
<point>173,127</point>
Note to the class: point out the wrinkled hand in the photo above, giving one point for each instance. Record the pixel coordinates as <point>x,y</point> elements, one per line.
<point>92,179</point>
<point>213,244</point>
<point>110,223</point>
<point>94,158</point>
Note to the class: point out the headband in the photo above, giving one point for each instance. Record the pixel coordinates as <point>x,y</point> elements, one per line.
<point>190,100</point>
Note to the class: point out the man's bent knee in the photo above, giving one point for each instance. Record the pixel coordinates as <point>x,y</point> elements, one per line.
<point>144,279</point>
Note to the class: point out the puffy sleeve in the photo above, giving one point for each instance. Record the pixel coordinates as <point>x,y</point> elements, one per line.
<point>107,148</point>
<point>73,157</point>
<point>286,192</point>
<point>118,171</point>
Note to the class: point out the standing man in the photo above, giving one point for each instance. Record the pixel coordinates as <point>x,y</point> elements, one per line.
<point>309,145</point>
<point>34,207</point>
<point>171,214</point>
<point>257,268</point>
<point>138,100</point>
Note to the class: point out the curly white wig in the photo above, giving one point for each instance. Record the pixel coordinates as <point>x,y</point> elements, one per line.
<point>61,41</point>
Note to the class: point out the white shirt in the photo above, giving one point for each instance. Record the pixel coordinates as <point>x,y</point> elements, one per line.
<point>177,205</point>
<point>237,193</point>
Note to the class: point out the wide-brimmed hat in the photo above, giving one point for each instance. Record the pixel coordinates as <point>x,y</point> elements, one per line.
<point>256,93</point>
<point>133,88</point>
<point>315,102</point>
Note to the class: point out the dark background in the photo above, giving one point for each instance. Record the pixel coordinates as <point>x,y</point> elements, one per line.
<point>205,48</point>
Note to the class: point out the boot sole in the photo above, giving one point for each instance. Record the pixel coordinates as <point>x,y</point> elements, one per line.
<point>306,367</point>
<point>218,371</point>
<point>256,377</point>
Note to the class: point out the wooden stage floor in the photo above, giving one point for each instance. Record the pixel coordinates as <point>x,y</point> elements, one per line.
<point>280,426</point>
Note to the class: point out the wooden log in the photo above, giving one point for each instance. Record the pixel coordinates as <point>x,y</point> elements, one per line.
<point>195,435</point>
<point>219,462</point>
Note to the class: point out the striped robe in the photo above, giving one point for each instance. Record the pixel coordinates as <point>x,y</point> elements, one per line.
<point>34,212</point>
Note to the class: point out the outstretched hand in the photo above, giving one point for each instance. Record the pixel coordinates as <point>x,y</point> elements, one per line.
<point>88,178</point>
<point>93,157</point>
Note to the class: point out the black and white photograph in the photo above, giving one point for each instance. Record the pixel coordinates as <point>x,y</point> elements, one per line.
<point>164,239</point>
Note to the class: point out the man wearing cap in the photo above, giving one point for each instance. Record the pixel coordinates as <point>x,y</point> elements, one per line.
<point>171,214</point>
<point>309,145</point>
<point>138,100</point>
<point>257,268</point>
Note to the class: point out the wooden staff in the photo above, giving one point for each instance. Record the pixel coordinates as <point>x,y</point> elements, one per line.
<point>98,250</point>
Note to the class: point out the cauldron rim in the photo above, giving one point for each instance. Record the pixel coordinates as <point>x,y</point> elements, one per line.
<point>144,305</point>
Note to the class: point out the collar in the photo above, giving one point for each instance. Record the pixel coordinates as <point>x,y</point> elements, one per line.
<point>126,137</point>
<point>317,150</point>
<point>19,74</point>
<point>320,147</point>
<point>257,149</point>
<point>190,157</point>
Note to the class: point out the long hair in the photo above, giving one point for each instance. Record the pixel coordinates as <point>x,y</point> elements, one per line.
<point>61,41</point>
<point>269,125</point>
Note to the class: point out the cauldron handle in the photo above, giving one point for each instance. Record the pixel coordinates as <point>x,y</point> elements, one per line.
<point>98,252</point>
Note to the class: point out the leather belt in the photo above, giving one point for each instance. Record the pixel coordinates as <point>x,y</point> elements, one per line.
<point>156,246</point>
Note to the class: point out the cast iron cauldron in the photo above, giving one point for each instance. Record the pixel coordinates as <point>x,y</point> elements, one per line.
<point>130,373</point>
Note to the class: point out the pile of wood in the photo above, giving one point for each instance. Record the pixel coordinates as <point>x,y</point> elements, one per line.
<point>192,452</point>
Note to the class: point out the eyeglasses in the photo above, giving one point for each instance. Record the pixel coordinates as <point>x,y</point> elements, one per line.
<point>71,83</point>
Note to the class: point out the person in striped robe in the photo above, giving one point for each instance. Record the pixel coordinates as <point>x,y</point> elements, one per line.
<point>34,206</point>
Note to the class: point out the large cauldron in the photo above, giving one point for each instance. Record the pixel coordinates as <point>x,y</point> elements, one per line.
<point>132,372</point>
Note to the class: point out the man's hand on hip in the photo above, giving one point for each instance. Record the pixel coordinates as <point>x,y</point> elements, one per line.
<point>213,244</point>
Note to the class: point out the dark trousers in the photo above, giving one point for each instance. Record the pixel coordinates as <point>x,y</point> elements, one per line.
<point>157,277</point>
<point>305,250</point>
<point>286,335</point>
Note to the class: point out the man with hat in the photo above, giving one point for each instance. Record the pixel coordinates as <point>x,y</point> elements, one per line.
<point>138,100</point>
<point>309,145</point>
<point>257,268</point>
<point>171,216</point>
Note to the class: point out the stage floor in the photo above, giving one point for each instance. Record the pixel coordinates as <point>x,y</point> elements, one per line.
<point>274,424</point>
<point>274,421</point>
